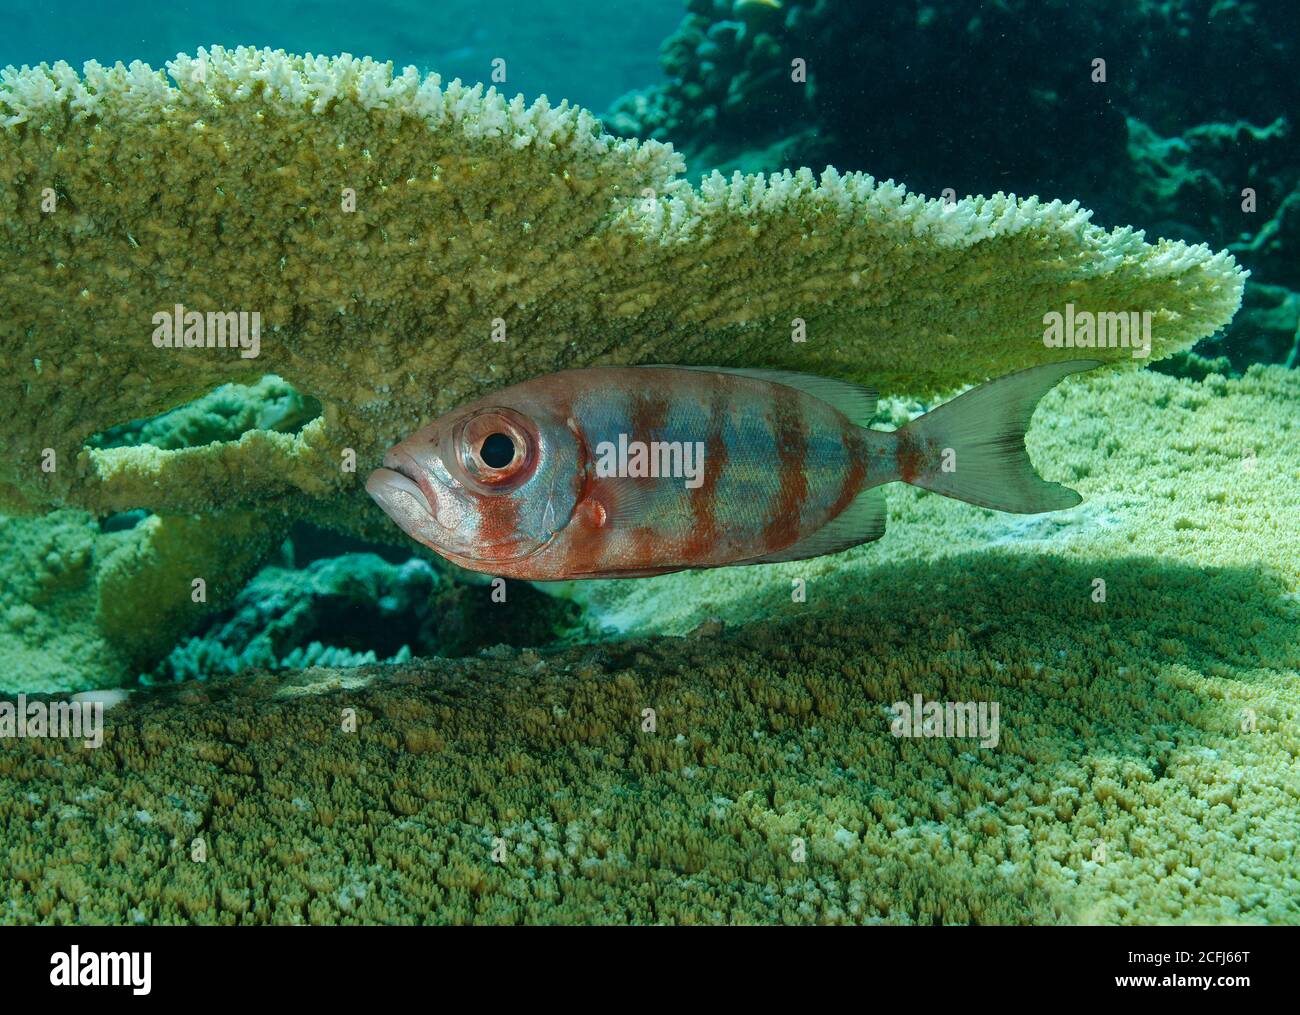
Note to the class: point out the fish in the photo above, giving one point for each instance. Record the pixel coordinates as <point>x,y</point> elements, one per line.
<point>626,472</point>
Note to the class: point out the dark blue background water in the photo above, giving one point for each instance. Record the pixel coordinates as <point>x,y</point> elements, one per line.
<point>588,51</point>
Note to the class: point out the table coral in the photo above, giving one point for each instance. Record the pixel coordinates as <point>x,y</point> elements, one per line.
<point>1146,769</point>
<point>226,188</point>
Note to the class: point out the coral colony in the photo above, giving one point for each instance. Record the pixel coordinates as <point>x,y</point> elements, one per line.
<point>252,279</point>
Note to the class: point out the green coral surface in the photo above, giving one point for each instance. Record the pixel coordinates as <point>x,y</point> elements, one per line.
<point>1146,768</point>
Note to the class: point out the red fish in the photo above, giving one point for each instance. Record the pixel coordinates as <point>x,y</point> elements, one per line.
<point>618,472</point>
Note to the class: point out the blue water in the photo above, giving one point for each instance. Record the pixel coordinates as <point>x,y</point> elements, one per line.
<point>588,51</point>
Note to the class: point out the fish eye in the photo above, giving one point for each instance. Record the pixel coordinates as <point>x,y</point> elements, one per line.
<point>497,450</point>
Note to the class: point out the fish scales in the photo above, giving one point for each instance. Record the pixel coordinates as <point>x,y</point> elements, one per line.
<point>774,459</point>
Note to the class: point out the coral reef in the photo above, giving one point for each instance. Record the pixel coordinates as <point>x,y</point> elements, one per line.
<point>387,229</point>
<point>1189,90</point>
<point>1187,136</point>
<point>722,750</point>
<point>86,605</point>
<point>225,189</point>
<point>1194,186</point>
<point>1266,330</point>
<point>279,618</point>
<point>1146,768</point>
<point>48,568</point>
<point>82,607</point>
<point>356,608</point>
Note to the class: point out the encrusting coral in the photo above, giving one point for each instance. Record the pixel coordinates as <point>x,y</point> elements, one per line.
<point>1200,472</point>
<point>355,608</point>
<point>225,414</point>
<point>1145,769</point>
<point>83,608</point>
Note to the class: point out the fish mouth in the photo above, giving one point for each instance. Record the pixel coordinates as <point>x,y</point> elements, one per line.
<point>402,496</point>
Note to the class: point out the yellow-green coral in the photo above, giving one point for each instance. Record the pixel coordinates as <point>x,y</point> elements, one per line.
<point>225,188</point>
<point>1200,472</point>
<point>48,599</point>
<point>224,415</point>
<point>1146,769</point>
<point>81,608</point>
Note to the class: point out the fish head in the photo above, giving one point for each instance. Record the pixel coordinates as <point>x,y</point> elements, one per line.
<point>487,484</point>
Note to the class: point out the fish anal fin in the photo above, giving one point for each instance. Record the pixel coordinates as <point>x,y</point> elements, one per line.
<point>644,572</point>
<point>863,521</point>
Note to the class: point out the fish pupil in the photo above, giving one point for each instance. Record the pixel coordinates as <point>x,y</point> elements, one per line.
<point>497,451</point>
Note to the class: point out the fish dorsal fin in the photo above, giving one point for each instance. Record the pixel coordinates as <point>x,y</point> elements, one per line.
<point>863,521</point>
<point>856,401</point>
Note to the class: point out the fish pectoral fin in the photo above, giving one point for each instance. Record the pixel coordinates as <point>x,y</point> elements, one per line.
<point>628,502</point>
<point>863,521</point>
<point>856,401</point>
